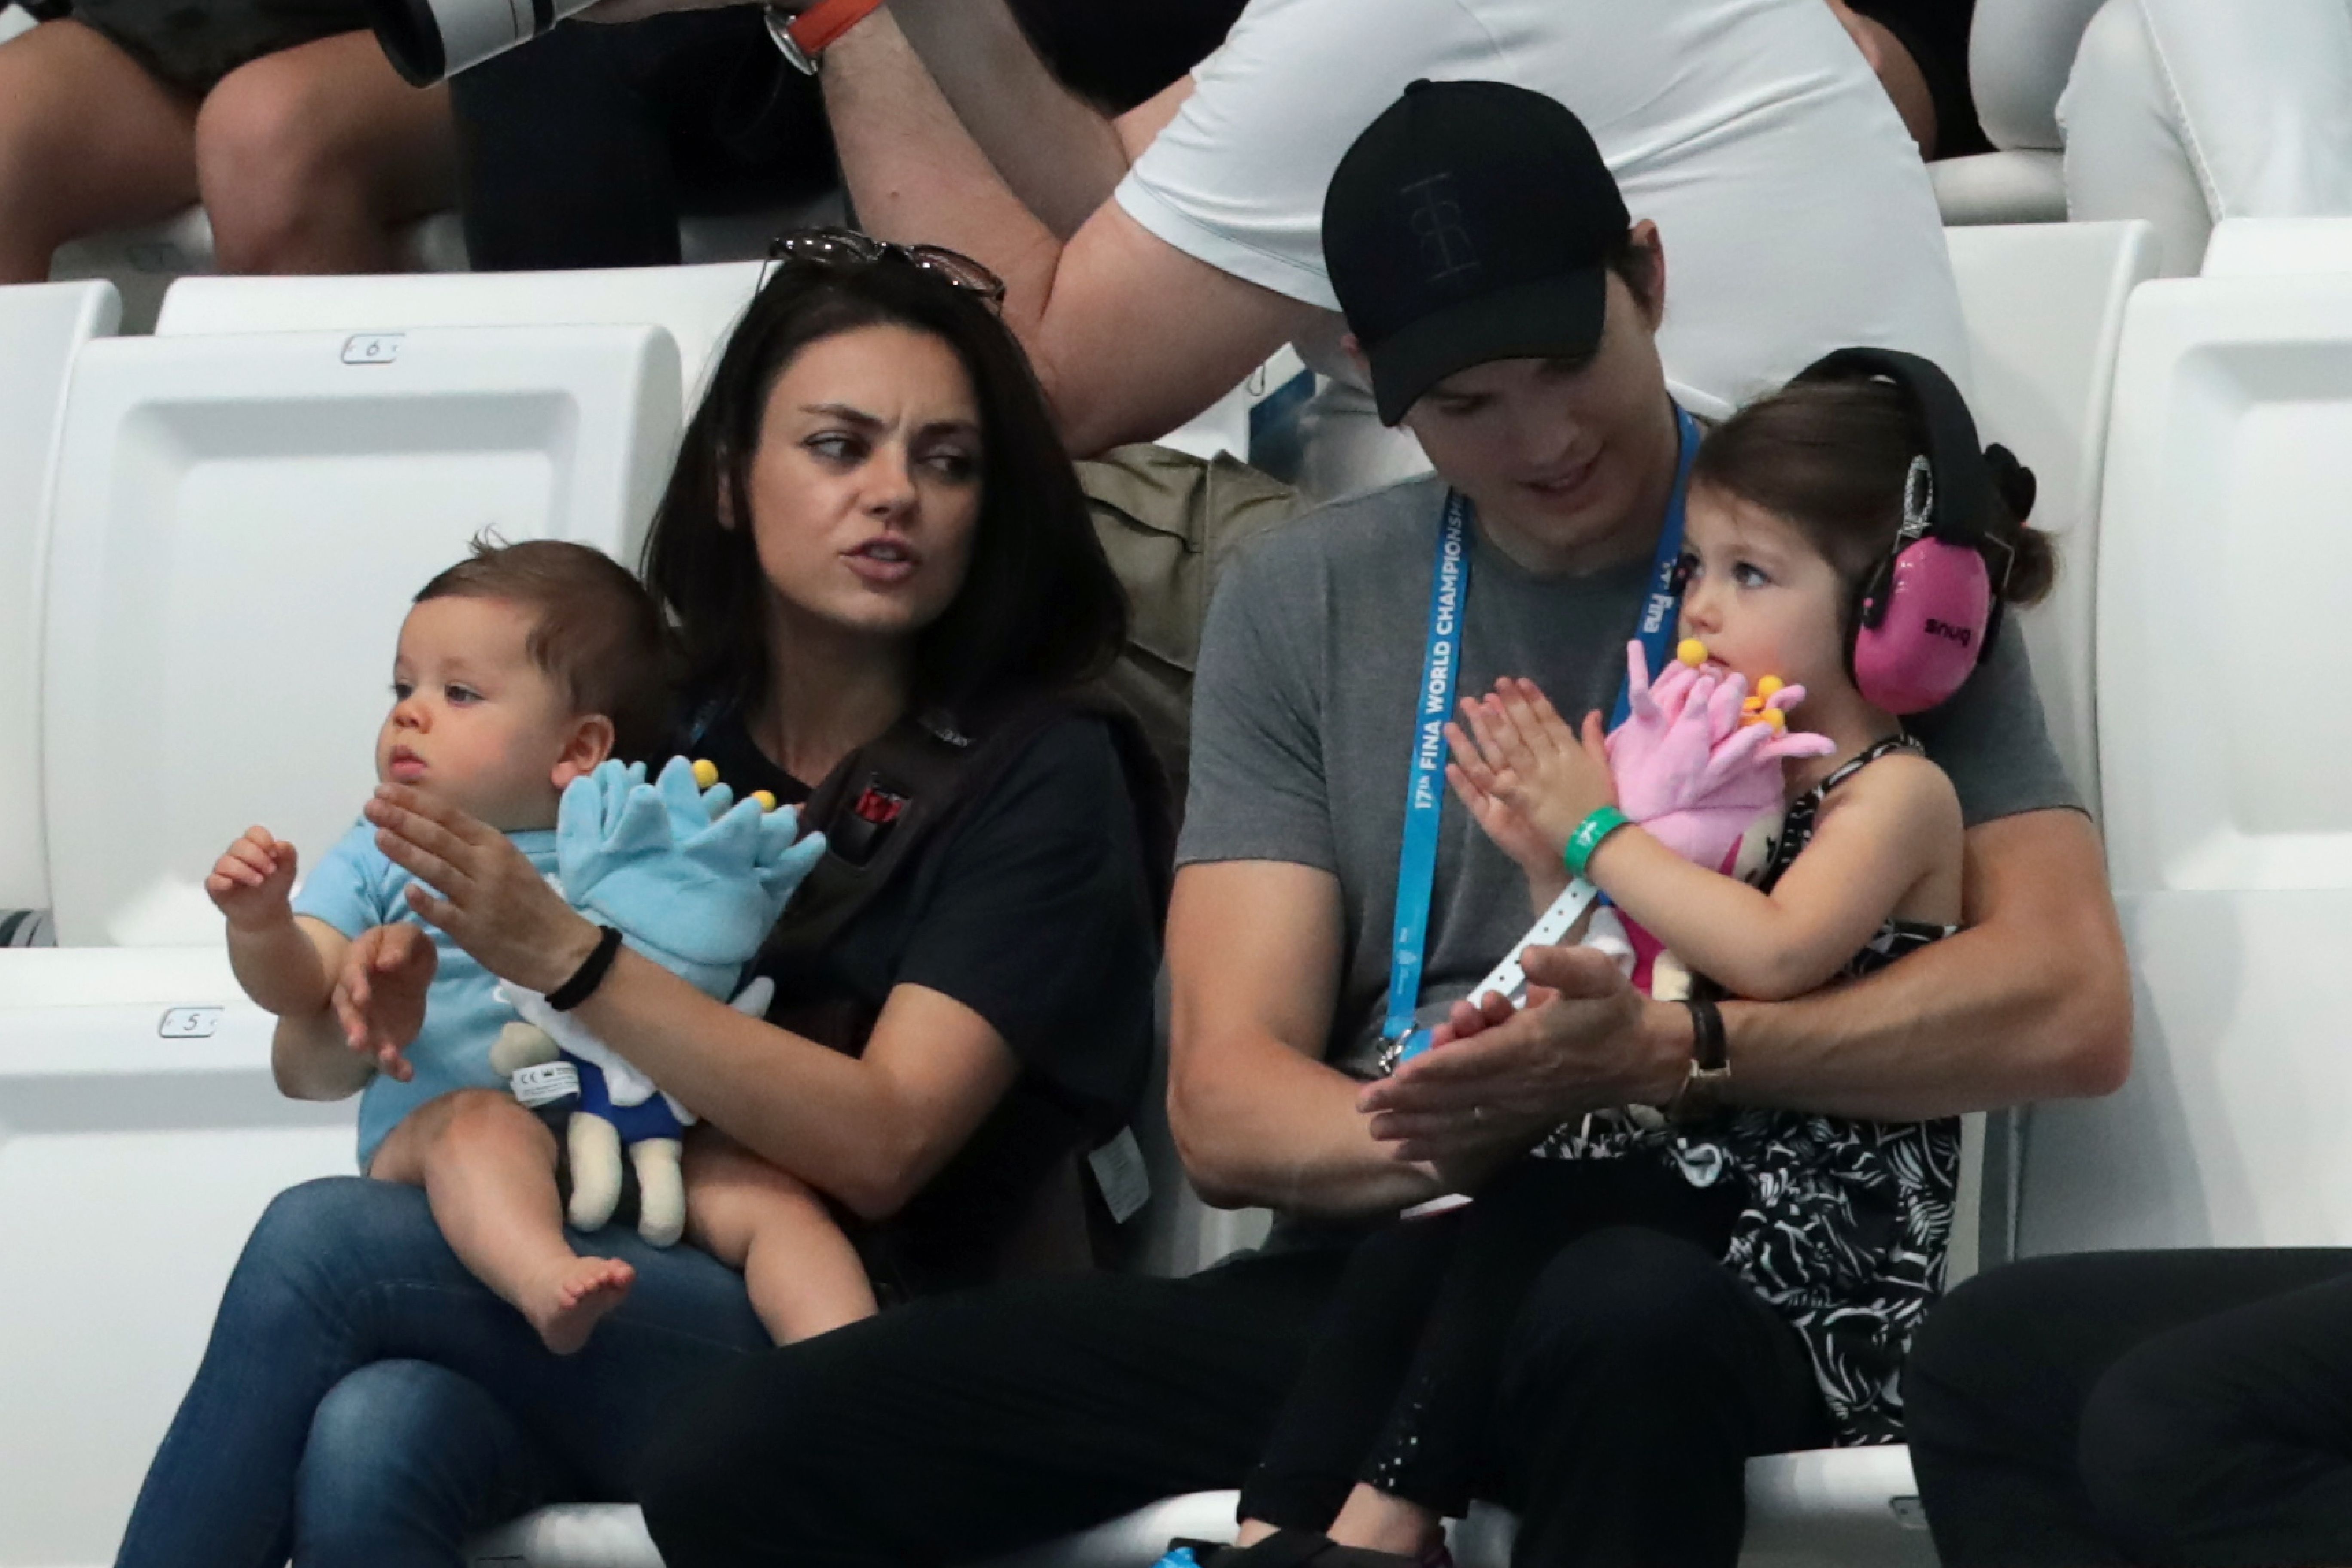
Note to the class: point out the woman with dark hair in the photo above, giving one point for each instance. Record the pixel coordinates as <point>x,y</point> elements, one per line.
<point>888,596</point>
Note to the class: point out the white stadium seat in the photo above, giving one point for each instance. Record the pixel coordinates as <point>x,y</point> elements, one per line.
<point>1823,1510</point>
<point>238,525</point>
<point>143,262</point>
<point>2020,52</point>
<point>2268,247</point>
<point>140,1138</point>
<point>148,260</point>
<point>697,306</point>
<point>42,327</point>
<point>2225,581</point>
<point>2044,306</point>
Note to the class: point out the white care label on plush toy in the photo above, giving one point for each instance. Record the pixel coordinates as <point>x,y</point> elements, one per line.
<point>1120,1172</point>
<point>545,1084</point>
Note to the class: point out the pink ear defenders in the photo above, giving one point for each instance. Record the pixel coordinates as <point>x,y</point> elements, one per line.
<point>1929,610</point>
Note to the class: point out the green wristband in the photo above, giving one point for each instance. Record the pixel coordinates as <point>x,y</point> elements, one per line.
<point>1588,837</point>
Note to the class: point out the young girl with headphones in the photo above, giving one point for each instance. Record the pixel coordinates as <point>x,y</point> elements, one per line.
<point>1826,552</point>
<point>1845,536</point>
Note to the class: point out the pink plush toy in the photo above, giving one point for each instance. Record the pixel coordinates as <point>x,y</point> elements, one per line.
<point>1697,759</point>
<point>1698,767</point>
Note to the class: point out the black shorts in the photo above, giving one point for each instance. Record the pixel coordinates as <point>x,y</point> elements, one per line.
<point>191,44</point>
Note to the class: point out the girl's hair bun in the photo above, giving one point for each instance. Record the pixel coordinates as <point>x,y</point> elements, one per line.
<point>2014,480</point>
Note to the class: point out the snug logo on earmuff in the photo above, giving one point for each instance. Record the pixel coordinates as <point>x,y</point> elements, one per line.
<point>1963,636</point>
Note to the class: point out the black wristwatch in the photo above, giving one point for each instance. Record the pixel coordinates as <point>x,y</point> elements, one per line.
<point>1701,1095</point>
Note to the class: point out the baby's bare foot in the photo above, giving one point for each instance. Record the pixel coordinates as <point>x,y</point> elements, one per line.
<point>575,1300</point>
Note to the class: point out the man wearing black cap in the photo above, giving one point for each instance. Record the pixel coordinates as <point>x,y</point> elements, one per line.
<point>1506,312</point>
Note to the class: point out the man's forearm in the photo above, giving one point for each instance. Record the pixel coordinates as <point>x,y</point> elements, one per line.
<point>915,174</point>
<point>2032,1002</point>
<point>1060,156</point>
<point>1117,296</point>
<point>1285,1134</point>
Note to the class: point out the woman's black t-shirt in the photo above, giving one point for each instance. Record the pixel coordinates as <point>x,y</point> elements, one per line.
<point>1031,909</point>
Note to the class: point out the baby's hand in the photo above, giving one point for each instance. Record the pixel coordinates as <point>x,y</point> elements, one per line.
<point>1513,835</point>
<point>379,997</point>
<point>1520,751</point>
<point>250,882</point>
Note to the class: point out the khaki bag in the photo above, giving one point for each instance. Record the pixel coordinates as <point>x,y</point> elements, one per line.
<point>1169,522</point>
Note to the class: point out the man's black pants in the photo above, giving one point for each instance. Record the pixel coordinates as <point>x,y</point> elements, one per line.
<point>1637,1378</point>
<point>2187,1409</point>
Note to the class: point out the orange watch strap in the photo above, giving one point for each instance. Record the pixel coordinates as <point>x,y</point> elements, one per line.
<point>817,28</point>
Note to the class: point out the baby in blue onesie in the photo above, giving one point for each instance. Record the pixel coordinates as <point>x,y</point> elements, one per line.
<point>518,671</point>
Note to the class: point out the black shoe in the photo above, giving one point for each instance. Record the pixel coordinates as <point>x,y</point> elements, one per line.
<point>1292,1549</point>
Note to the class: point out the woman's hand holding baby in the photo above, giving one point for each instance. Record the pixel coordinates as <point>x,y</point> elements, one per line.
<point>493,902</point>
<point>379,995</point>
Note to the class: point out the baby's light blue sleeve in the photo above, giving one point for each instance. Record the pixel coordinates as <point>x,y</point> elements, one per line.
<point>350,886</point>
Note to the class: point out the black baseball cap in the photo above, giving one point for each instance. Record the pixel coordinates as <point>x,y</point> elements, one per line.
<point>1471,222</point>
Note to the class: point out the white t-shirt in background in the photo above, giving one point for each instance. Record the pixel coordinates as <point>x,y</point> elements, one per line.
<point>1794,210</point>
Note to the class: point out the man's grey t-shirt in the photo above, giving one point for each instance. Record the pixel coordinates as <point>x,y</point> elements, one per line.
<point>1303,716</point>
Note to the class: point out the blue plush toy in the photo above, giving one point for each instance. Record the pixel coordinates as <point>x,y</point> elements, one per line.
<point>692,878</point>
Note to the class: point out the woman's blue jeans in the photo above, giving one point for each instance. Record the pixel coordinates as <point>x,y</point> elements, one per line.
<point>365,1402</point>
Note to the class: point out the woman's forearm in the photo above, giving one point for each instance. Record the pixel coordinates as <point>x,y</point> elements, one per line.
<point>844,1124</point>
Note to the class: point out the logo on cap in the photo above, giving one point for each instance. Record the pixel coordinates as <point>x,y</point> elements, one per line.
<point>1436,220</point>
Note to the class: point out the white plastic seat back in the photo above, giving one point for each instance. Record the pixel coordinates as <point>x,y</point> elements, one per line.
<point>2270,246</point>
<point>42,327</point>
<point>239,525</point>
<point>2225,581</point>
<point>2020,52</point>
<point>146,259</point>
<point>140,1138</point>
<point>697,306</point>
<point>2045,308</point>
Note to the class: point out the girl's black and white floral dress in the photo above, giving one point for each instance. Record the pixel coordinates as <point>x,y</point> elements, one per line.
<point>1846,1222</point>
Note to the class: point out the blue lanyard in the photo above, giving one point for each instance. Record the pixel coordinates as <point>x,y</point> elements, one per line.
<point>1424,801</point>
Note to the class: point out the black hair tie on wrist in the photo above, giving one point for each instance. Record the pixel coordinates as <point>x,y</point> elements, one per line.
<point>589,976</point>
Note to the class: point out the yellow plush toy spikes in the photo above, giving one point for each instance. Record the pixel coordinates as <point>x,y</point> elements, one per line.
<point>1693,652</point>
<point>706,774</point>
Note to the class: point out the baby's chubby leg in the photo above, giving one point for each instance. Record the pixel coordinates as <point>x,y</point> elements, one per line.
<point>804,1275</point>
<point>488,1168</point>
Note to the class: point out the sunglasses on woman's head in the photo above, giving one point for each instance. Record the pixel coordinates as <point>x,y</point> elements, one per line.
<point>847,248</point>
